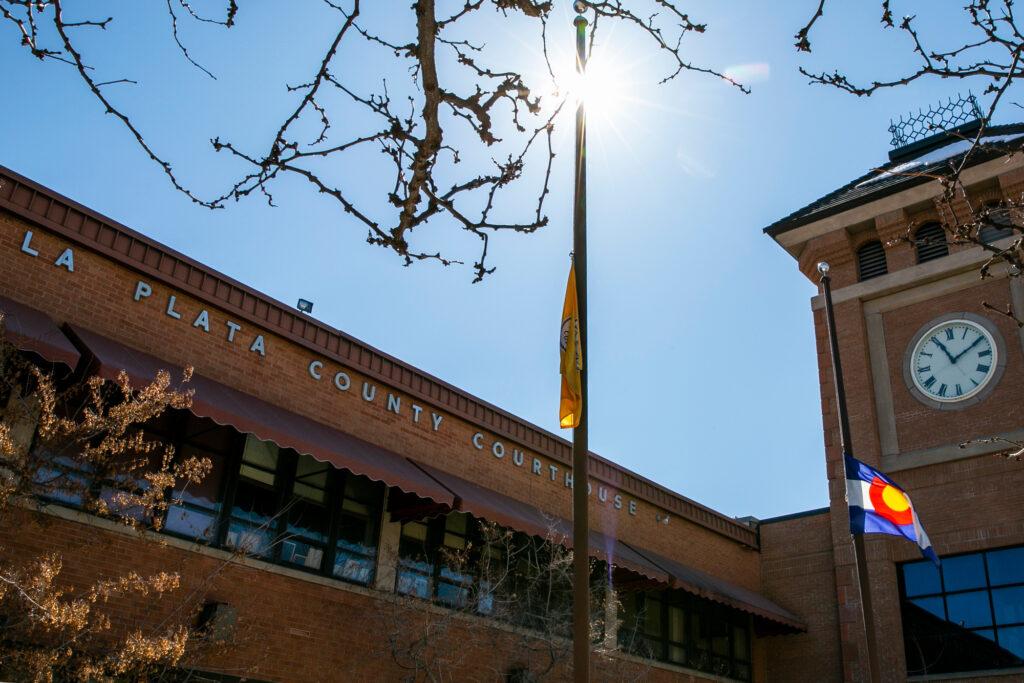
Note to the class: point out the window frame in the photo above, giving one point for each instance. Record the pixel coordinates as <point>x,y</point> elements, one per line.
<point>709,614</point>
<point>994,626</point>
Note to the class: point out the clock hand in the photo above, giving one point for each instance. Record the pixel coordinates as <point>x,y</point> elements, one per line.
<point>944,349</point>
<point>975,343</point>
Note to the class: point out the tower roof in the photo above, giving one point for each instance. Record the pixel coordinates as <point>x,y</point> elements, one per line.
<point>908,166</point>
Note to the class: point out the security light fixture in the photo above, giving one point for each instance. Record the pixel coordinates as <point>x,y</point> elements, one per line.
<point>305,306</point>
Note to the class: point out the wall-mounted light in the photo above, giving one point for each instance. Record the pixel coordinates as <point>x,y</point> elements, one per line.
<point>305,306</point>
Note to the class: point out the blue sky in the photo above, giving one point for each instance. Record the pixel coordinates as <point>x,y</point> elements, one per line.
<point>702,359</point>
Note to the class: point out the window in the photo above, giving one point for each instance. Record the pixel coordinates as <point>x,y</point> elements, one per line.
<point>999,224</point>
<point>195,516</point>
<point>683,629</point>
<point>433,559</point>
<point>967,615</point>
<point>355,554</point>
<point>871,261</point>
<point>268,502</point>
<point>251,525</point>
<point>930,242</point>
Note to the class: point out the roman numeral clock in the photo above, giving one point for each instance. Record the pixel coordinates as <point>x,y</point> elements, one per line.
<point>954,361</point>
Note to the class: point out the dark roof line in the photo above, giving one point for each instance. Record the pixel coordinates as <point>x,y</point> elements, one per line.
<point>44,207</point>
<point>855,194</point>
<point>794,515</point>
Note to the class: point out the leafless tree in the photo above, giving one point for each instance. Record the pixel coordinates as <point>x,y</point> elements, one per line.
<point>986,50</point>
<point>456,136</point>
<point>522,587</point>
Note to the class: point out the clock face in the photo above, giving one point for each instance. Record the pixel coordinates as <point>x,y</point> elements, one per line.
<point>953,361</point>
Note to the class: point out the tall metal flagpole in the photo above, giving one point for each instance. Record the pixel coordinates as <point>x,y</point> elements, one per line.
<point>580,450</point>
<point>867,614</point>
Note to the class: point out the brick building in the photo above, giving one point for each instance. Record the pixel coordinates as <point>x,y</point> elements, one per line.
<point>909,416</point>
<point>342,476</point>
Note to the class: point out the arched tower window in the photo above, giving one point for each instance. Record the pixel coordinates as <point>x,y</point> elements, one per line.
<point>871,260</point>
<point>930,242</point>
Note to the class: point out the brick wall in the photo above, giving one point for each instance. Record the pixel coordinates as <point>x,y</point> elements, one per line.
<point>797,570</point>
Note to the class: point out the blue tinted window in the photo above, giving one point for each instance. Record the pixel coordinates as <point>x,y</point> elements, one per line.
<point>921,578</point>
<point>932,605</point>
<point>973,621</point>
<point>969,609</point>
<point>1006,566</point>
<point>1012,639</point>
<point>1009,605</point>
<point>966,571</point>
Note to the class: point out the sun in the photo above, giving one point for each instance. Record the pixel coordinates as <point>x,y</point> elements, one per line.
<point>602,88</point>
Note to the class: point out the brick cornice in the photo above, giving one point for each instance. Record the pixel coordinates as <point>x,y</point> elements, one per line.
<point>39,205</point>
<point>833,247</point>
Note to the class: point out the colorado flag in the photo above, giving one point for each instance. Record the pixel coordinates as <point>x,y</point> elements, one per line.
<point>879,506</point>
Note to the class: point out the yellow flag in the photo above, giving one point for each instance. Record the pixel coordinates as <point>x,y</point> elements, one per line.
<point>571,353</point>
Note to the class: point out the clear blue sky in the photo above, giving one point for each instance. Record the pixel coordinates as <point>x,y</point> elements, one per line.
<point>703,370</point>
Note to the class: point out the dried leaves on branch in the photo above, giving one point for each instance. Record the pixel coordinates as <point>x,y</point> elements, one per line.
<point>466,127</point>
<point>83,443</point>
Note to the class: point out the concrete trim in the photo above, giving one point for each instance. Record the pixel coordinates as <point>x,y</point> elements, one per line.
<point>947,453</point>
<point>1017,301</point>
<point>962,264</point>
<point>880,380</point>
<point>791,239</point>
<point>794,515</point>
<point>964,675</point>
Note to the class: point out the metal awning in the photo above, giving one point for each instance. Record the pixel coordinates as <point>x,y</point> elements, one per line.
<point>521,516</point>
<point>31,330</point>
<point>251,415</point>
<point>713,588</point>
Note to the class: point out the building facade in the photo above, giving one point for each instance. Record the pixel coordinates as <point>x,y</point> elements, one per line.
<point>934,378</point>
<point>344,482</point>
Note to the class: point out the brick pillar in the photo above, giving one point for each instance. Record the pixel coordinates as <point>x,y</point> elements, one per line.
<point>387,551</point>
<point>891,227</point>
<point>835,248</point>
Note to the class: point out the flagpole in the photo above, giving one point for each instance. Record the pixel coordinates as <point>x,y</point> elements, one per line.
<point>580,449</point>
<point>867,614</point>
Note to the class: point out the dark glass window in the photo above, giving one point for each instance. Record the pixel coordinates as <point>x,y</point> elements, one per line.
<point>930,242</point>
<point>308,515</point>
<point>966,616</point>
<point>871,261</point>
<point>251,526</point>
<point>415,567</point>
<point>355,554</point>
<point>677,627</point>
<point>199,507</point>
<point>434,559</point>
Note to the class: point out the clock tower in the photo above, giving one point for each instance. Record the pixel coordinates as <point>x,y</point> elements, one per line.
<point>934,365</point>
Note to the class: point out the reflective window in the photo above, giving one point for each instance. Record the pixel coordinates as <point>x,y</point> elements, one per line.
<point>683,629</point>
<point>252,527</point>
<point>199,507</point>
<point>355,554</point>
<point>967,615</point>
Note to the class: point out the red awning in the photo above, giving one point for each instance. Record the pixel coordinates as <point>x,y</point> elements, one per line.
<point>32,330</point>
<point>248,414</point>
<point>712,588</point>
<point>515,514</point>
<point>521,516</point>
